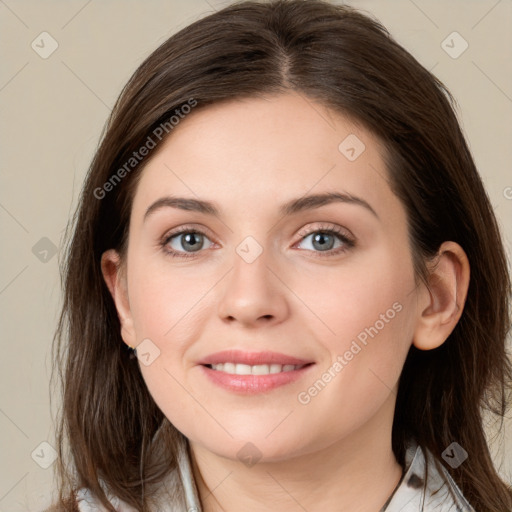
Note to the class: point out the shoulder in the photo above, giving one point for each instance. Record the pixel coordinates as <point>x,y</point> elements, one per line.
<point>177,492</point>
<point>88,502</point>
<point>63,506</point>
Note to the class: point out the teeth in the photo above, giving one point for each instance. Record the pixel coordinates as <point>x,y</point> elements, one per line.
<point>275,368</point>
<point>258,369</point>
<point>227,367</point>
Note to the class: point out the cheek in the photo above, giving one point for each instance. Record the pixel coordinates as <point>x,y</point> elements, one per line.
<point>166,311</point>
<point>358,297</point>
<point>365,313</point>
<point>164,302</point>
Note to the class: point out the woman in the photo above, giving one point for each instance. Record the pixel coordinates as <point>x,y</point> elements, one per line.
<point>285,288</point>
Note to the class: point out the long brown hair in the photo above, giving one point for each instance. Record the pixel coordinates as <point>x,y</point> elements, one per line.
<point>347,61</point>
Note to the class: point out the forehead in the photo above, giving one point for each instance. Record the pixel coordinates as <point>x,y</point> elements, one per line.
<point>257,153</point>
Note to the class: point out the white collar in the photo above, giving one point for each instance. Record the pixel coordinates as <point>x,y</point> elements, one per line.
<point>409,495</point>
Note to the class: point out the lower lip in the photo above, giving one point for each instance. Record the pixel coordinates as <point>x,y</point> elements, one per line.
<point>252,384</point>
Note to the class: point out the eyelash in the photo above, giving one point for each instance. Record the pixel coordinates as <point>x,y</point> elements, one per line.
<point>349,243</point>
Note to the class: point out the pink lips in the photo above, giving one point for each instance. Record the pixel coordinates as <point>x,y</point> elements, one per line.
<point>251,358</point>
<point>253,384</point>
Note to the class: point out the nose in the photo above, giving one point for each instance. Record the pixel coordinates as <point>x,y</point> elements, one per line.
<point>253,293</point>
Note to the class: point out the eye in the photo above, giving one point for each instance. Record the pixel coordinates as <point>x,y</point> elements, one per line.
<point>324,238</point>
<point>189,239</point>
<point>185,241</point>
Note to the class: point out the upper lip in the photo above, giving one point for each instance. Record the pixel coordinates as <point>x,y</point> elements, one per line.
<point>251,358</point>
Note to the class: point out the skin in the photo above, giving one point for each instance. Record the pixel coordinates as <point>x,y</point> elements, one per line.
<point>249,157</point>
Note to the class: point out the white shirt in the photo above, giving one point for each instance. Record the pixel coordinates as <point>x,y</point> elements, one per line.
<point>407,496</point>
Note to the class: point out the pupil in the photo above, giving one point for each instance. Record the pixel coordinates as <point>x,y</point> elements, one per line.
<point>320,237</point>
<point>193,245</point>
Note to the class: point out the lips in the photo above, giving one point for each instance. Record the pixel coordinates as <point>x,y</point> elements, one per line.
<point>249,373</point>
<point>254,384</point>
<point>252,358</point>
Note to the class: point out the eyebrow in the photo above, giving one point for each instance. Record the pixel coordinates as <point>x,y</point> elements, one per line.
<point>290,208</point>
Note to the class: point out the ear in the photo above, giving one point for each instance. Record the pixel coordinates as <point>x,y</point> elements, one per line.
<point>441,304</point>
<point>115,277</point>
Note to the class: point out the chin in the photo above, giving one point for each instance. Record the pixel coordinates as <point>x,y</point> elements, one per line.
<point>255,446</point>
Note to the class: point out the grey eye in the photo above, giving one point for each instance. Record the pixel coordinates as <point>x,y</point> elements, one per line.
<point>322,240</point>
<point>191,241</point>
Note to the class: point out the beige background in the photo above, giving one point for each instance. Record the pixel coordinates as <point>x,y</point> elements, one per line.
<point>52,113</point>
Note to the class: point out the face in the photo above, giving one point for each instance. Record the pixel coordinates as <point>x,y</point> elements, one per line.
<point>325,288</point>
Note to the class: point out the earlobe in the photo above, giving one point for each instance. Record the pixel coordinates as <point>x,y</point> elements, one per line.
<point>442,303</point>
<point>115,278</point>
